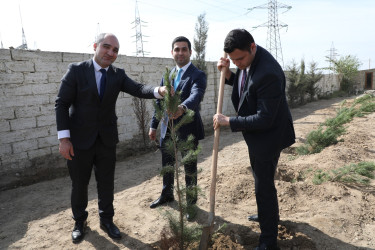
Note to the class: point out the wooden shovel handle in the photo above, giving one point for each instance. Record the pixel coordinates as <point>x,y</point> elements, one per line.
<point>216,142</point>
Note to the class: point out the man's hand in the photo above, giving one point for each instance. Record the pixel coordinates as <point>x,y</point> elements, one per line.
<point>224,63</point>
<point>220,120</point>
<point>152,134</point>
<point>180,111</point>
<point>163,91</point>
<point>66,148</point>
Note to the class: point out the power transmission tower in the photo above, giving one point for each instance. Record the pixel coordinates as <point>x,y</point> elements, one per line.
<point>1,40</point>
<point>138,33</point>
<point>97,32</point>
<point>273,35</point>
<point>327,86</point>
<point>332,55</point>
<point>24,43</point>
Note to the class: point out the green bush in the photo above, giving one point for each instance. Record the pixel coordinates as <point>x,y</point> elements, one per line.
<point>318,139</point>
<point>360,173</point>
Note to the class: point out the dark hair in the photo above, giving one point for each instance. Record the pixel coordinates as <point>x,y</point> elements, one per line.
<point>181,39</point>
<point>238,39</point>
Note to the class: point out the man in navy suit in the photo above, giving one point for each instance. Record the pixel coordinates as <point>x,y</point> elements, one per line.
<point>263,117</point>
<point>192,86</point>
<point>87,128</point>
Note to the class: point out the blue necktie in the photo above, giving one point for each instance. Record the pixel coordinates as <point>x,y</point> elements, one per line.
<point>178,79</point>
<point>164,121</point>
<point>103,81</point>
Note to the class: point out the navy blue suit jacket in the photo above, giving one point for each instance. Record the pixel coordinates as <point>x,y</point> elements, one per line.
<point>79,109</point>
<point>263,113</point>
<point>192,86</point>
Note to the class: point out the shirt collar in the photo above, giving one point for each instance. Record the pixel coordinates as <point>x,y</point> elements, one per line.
<point>184,68</point>
<point>97,67</point>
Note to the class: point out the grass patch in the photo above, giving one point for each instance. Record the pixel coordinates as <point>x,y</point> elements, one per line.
<point>360,173</point>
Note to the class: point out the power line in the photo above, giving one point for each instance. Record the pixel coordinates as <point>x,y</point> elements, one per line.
<point>273,26</point>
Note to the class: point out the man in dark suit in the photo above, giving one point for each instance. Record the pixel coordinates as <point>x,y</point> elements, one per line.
<point>263,117</point>
<point>192,85</point>
<point>87,128</point>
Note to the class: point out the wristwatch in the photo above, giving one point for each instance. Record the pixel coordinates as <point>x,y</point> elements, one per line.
<point>183,106</point>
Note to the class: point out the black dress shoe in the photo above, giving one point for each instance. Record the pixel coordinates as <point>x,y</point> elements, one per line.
<point>161,200</point>
<point>79,231</point>
<point>253,217</point>
<point>267,247</point>
<point>111,229</point>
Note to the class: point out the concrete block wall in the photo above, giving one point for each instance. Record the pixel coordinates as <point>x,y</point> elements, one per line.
<point>29,82</point>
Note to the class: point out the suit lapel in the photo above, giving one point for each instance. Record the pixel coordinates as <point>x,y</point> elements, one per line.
<point>249,76</point>
<point>90,75</point>
<point>235,94</point>
<point>185,78</point>
<point>111,72</point>
<point>246,87</point>
<point>171,74</point>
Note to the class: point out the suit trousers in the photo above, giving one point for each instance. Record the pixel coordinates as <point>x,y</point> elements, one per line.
<point>102,159</point>
<point>266,197</point>
<point>190,172</point>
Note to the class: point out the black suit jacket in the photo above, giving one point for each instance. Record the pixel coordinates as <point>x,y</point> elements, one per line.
<point>79,109</point>
<point>192,86</point>
<point>263,113</point>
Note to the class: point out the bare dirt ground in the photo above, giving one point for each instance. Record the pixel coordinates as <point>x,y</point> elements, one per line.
<point>326,216</point>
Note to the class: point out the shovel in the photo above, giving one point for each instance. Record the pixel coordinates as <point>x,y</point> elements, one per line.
<point>208,229</point>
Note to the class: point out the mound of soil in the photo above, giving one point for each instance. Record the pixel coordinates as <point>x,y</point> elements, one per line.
<point>327,216</point>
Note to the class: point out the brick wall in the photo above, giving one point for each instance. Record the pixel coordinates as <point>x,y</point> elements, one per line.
<point>29,82</point>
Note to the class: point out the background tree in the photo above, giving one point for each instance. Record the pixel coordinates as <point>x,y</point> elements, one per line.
<point>313,76</point>
<point>296,89</point>
<point>346,69</point>
<point>142,115</point>
<point>301,83</point>
<point>199,44</point>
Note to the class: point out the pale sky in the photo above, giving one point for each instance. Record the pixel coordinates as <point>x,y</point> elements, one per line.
<point>314,26</point>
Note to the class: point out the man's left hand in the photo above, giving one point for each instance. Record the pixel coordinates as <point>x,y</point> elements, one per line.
<point>178,113</point>
<point>220,120</point>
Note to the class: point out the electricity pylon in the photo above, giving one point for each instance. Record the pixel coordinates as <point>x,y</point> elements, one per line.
<point>24,43</point>
<point>97,32</point>
<point>332,55</point>
<point>138,33</point>
<point>1,40</point>
<point>273,43</point>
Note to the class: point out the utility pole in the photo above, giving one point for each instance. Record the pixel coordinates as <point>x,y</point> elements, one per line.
<point>138,33</point>
<point>273,25</point>
<point>24,43</point>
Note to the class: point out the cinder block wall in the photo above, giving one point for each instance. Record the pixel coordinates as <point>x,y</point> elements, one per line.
<point>29,82</point>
